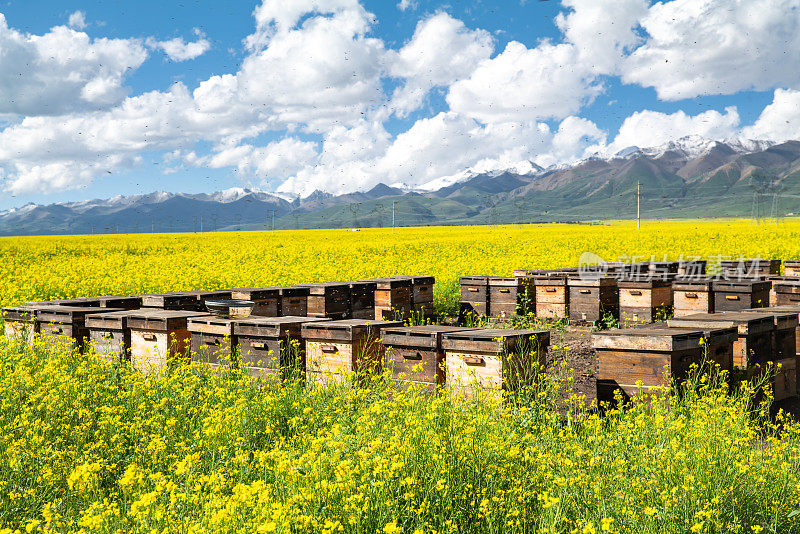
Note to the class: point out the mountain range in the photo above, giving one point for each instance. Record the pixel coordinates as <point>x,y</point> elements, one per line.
<point>690,177</point>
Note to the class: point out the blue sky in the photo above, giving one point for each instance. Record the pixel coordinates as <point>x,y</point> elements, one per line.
<point>106,98</point>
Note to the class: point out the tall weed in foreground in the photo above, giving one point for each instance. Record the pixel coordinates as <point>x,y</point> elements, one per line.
<point>96,447</point>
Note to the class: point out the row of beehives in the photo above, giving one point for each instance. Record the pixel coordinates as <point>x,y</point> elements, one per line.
<point>633,293</point>
<point>379,298</point>
<point>312,347</point>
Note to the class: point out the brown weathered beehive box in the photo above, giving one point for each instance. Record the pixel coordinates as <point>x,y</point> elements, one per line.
<point>337,348</point>
<point>734,295</point>
<point>590,300</point>
<point>119,302</point>
<point>791,268</point>
<point>663,269</point>
<point>474,295</point>
<point>329,299</point>
<point>159,337</point>
<point>293,301</point>
<point>785,290</point>
<point>493,359</point>
<point>754,343</point>
<point>749,268</point>
<point>551,297</point>
<point>783,375</point>
<point>510,296</point>
<point>20,322</point>
<point>786,308</point>
<point>393,297</point>
<point>362,299</point>
<point>692,295</point>
<point>271,347</point>
<point>59,322</point>
<point>212,339</point>
<point>267,300</point>
<point>692,268</point>
<point>635,359</point>
<point>422,295</point>
<point>784,341</point>
<point>414,353</point>
<point>718,344</point>
<point>644,300</point>
<point>110,335</point>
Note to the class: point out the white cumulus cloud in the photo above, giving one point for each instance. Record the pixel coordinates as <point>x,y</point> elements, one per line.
<point>179,50</point>
<point>77,20</point>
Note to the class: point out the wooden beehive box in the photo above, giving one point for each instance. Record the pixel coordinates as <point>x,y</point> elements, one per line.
<point>649,356</point>
<point>785,335</point>
<point>754,343</point>
<point>692,268</point>
<point>718,344</point>
<point>118,302</point>
<point>362,299</point>
<point>509,296</point>
<point>422,295</point>
<point>493,359</point>
<point>791,268</point>
<point>734,295</point>
<point>109,334</point>
<point>785,290</point>
<point>267,300</point>
<point>787,308</point>
<point>474,295</point>
<point>293,301</point>
<point>20,322</point>
<point>329,299</point>
<point>644,300</point>
<point>393,297</point>
<point>271,347</point>
<point>749,268</point>
<point>591,299</point>
<point>692,295</point>
<point>212,340</point>
<point>663,269</point>
<point>59,322</point>
<point>551,297</point>
<point>414,353</point>
<point>174,300</point>
<point>783,377</point>
<point>159,337</point>
<point>338,348</point>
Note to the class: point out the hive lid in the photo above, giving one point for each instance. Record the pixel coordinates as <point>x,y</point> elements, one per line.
<point>605,281</point>
<point>362,285</point>
<point>417,336</point>
<point>323,288</point>
<point>558,280</point>
<point>74,315</point>
<point>271,326</point>
<point>172,298</point>
<point>648,338</point>
<point>222,324</point>
<point>791,263</point>
<point>423,280</point>
<point>293,291</point>
<point>113,320</point>
<point>160,320</point>
<point>782,319</point>
<point>255,293</point>
<point>474,280</point>
<point>643,282</point>
<point>494,340</point>
<point>393,282</point>
<point>746,323</point>
<point>346,329</point>
<point>741,286</point>
<point>19,313</point>
<point>693,283</point>
<point>504,281</point>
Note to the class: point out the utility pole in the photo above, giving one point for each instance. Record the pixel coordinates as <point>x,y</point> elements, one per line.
<point>273,222</point>
<point>393,201</point>
<point>637,205</point>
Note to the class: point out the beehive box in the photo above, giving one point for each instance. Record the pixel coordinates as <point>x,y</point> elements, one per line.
<point>335,349</point>
<point>109,334</point>
<point>362,299</point>
<point>183,300</point>
<point>271,347</point>
<point>784,344</point>
<point>293,301</point>
<point>734,295</point>
<point>422,295</point>
<point>493,359</point>
<point>754,343</point>
<point>791,268</point>
<point>643,300</point>
<point>509,296</point>
<point>329,299</point>
<point>787,308</point>
<point>20,322</point>
<point>749,268</point>
<point>591,299</point>
<point>267,299</point>
<point>663,269</point>
<point>551,297</point>
<point>118,302</point>
<point>717,346</point>
<point>692,268</point>
<point>393,297</point>
<point>692,295</point>
<point>474,295</point>
<point>651,356</point>
<point>212,340</point>
<point>785,290</point>
<point>59,322</point>
<point>414,353</point>
<point>159,337</point>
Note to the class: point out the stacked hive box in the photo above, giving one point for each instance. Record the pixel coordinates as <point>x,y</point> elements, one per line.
<point>422,295</point>
<point>784,350</point>
<point>20,322</point>
<point>329,300</point>
<point>183,300</point>
<point>636,359</point>
<point>785,291</point>
<point>474,295</point>
<point>591,299</point>
<point>293,301</point>
<point>335,349</point>
<point>159,336</point>
<point>59,322</point>
<point>644,300</point>
<point>791,268</point>
<point>735,295</point>
<point>109,334</point>
<point>362,299</point>
<point>267,299</point>
<point>495,360</point>
<point>551,297</point>
<point>508,296</point>
<point>692,295</point>
<point>212,340</point>
<point>752,268</point>
<point>393,297</point>
<point>414,353</point>
<point>271,347</point>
